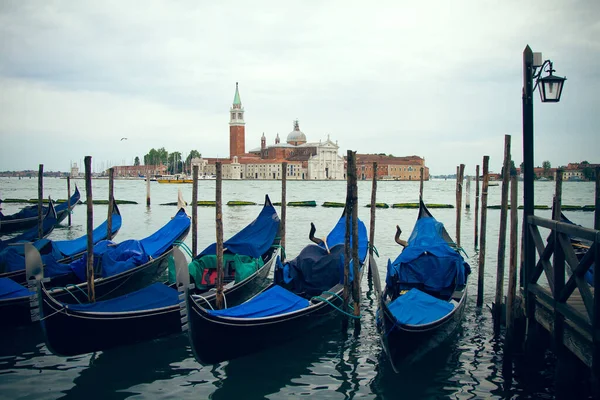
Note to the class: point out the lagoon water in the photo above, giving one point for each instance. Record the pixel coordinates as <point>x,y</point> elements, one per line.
<point>327,363</point>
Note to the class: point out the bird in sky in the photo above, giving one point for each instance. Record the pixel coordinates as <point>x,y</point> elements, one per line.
<point>123,138</point>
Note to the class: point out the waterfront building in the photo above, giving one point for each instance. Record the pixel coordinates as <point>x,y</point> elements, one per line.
<point>306,160</point>
<point>391,168</point>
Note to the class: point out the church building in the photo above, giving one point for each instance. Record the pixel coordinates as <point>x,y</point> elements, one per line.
<point>306,160</point>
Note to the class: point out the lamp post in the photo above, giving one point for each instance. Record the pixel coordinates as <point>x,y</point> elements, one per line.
<point>550,88</point>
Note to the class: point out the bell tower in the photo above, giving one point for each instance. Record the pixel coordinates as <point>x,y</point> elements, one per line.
<point>237,130</point>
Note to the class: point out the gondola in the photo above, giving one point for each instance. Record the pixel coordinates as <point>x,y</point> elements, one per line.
<point>28,216</point>
<point>425,293</point>
<point>305,294</point>
<point>120,269</point>
<point>55,253</point>
<point>154,311</point>
<point>48,223</point>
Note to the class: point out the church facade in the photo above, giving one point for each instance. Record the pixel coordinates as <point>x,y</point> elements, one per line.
<point>305,160</point>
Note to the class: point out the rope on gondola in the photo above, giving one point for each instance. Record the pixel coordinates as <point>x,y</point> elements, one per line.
<point>184,247</point>
<point>458,249</point>
<point>277,246</point>
<point>334,306</point>
<point>374,249</point>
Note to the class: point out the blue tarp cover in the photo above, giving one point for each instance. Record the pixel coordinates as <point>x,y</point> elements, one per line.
<point>31,234</point>
<point>70,248</point>
<point>162,240</point>
<point>274,301</point>
<point>256,238</point>
<point>428,259</point>
<point>418,308</point>
<point>157,295</point>
<point>315,270</point>
<point>13,258</point>
<point>32,211</point>
<point>338,233</point>
<point>10,289</point>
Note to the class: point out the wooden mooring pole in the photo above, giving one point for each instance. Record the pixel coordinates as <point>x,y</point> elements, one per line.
<point>484,195</point>
<point>195,211</point>
<point>41,201</point>
<point>373,206</point>
<point>147,190</point>
<point>219,225</point>
<point>421,185</point>
<point>348,232</point>
<point>89,228</point>
<point>69,199</point>
<point>111,199</point>
<point>283,207</point>
<point>597,205</point>
<point>596,319</point>
<point>476,207</point>
<point>497,308</point>
<point>512,269</point>
<point>355,261</point>
<point>468,193</point>
<point>460,172</point>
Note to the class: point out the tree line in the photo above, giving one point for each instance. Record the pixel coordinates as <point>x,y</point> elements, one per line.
<point>174,161</point>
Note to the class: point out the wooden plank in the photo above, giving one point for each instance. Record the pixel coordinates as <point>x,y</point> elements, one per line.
<point>545,253</point>
<point>575,315</point>
<point>573,340</point>
<point>563,227</point>
<point>584,287</point>
<point>581,269</point>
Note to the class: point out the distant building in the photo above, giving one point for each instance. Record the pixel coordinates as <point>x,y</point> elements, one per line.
<point>74,171</point>
<point>305,160</point>
<point>391,168</point>
<point>136,171</point>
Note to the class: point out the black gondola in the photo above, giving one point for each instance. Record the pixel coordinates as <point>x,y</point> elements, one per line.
<point>305,294</point>
<point>154,311</point>
<point>28,216</point>
<point>54,252</point>
<point>48,223</point>
<point>121,268</point>
<point>425,294</point>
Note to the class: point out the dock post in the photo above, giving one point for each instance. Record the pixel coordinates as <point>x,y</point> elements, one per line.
<point>421,185</point>
<point>69,198</point>
<point>512,268</point>
<point>373,206</point>
<point>476,207</point>
<point>89,228</point>
<point>564,363</point>
<point>597,204</point>
<point>219,225</point>
<point>460,171</point>
<point>41,201</point>
<point>348,226</point>
<point>147,190</point>
<point>484,195</point>
<point>195,211</point>
<point>497,308</point>
<point>283,207</point>
<point>111,198</point>
<point>355,260</point>
<point>468,193</point>
<point>596,321</point>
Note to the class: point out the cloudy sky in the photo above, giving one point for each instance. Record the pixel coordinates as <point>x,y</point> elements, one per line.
<point>439,79</point>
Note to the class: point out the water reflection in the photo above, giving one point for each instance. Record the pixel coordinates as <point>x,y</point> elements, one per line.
<point>115,373</point>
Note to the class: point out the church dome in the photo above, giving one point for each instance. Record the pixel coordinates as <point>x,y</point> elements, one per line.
<point>296,136</point>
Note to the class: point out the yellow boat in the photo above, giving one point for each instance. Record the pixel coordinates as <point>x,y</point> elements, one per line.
<point>175,179</point>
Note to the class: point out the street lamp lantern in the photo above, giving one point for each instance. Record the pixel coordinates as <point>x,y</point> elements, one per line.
<point>551,87</point>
